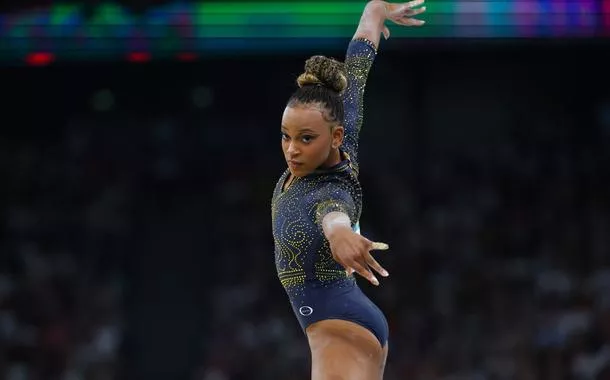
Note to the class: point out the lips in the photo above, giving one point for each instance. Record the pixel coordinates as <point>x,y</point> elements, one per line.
<point>294,164</point>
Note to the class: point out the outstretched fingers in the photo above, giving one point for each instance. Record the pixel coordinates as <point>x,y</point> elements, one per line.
<point>378,246</point>
<point>414,12</point>
<point>361,261</point>
<point>386,32</point>
<point>402,15</point>
<point>414,3</point>
<point>411,22</point>
<point>372,263</point>
<point>402,9</point>
<point>362,269</point>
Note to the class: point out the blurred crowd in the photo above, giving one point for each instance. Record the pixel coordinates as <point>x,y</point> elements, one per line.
<point>65,224</point>
<point>499,257</point>
<point>499,269</point>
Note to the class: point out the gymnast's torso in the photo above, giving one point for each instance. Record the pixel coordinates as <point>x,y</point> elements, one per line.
<point>302,255</point>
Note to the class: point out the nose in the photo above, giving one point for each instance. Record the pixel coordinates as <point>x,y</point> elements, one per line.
<point>292,149</point>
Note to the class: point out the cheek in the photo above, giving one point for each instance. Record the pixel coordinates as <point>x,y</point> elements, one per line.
<point>321,150</point>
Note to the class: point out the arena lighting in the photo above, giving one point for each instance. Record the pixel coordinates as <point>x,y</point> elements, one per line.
<point>138,57</point>
<point>186,57</point>
<point>39,59</point>
<point>204,28</point>
<point>606,20</point>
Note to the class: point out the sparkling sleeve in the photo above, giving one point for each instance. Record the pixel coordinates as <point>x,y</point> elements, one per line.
<point>358,61</point>
<point>331,198</point>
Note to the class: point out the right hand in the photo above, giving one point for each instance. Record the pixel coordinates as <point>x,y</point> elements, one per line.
<point>401,13</point>
<point>352,251</point>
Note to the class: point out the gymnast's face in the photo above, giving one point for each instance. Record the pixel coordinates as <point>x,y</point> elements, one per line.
<point>308,140</point>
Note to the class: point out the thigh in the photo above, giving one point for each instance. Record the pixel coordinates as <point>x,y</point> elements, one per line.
<point>384,359</point>
<point>343,350</point>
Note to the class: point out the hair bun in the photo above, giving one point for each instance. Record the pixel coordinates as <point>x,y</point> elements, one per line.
<point>323,71</point>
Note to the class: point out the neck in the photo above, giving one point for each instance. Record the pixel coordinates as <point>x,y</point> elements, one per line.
<point>333,158</point>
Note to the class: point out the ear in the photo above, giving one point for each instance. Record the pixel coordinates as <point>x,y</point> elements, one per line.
<point>337,136</point>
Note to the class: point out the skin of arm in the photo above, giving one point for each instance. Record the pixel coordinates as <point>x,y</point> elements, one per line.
<point>371,24</point>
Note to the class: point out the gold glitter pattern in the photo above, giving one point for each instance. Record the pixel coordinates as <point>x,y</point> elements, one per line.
<point>358,61</point>
<point>302,254</point>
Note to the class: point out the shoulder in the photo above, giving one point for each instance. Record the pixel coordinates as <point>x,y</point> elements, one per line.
<point>340,184</point>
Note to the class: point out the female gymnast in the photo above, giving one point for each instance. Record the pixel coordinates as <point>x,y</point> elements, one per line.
<point>317,202</point>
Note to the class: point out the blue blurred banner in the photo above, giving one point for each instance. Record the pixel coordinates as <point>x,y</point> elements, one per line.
<point>113,31</point>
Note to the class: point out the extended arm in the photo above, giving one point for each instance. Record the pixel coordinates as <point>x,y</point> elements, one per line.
<point>359,58</point>
<point>336,215</point>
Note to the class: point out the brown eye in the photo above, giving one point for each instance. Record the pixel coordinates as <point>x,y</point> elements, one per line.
<point>307,139</point>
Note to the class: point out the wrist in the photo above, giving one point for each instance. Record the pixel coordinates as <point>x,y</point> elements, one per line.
<point>336,232</point>
<point>376,10</point>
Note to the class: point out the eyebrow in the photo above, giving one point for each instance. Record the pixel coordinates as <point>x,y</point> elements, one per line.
<point>302,130</point>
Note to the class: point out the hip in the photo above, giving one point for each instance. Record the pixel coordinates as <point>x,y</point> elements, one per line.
<point>344,301</point>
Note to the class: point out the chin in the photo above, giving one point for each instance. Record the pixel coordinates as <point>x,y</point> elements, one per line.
<point>298,172</point>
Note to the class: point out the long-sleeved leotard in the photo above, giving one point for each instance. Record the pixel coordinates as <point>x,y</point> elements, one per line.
<point>302,254</point>
<point>358,61</point>
<point>317,286</point>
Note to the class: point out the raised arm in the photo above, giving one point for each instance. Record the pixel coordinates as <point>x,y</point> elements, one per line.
<point>359,59</point>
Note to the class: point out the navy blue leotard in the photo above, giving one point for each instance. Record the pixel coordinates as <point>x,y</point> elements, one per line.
<point>317,286</point>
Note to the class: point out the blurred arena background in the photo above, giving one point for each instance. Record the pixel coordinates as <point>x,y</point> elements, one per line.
<point>139,147</point>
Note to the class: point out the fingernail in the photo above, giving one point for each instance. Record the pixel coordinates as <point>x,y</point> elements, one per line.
<point>385,273</point>
<point>380,246</point>
<point>375,281</point>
